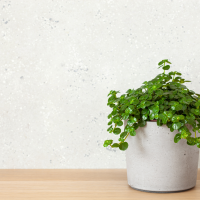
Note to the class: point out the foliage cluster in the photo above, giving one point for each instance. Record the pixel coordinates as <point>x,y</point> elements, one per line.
<point>165,99</point>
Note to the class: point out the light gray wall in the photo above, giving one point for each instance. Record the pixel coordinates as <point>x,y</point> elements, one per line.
<point>60,59</point>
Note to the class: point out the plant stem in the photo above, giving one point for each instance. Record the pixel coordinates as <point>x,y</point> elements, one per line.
<point>173,78</point>
<point>164,66</point>
<point>126,136</point>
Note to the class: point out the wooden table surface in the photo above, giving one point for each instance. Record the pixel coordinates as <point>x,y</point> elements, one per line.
<point>75,184</point>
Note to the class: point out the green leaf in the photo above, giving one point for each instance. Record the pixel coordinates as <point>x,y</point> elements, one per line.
<point>125,116</point>
<point>142,105</point>
<point>185,134</point>
<point>144,117</point>
<point>115,145</point>
<point>156,116</point>
<point>131,120</point>
<point>129,91</point>
<point>195,111</point>
<point>114,112</point>
<point>176,118</point>
<point>173,107</point>
<point>128,110</point>
<point>177,78</point>
<point>129,129</point>
<point>133,133</point>
<point>191,122</point>
<point>177,138</point>
<point>120,123</point>
<point>197,104</point>
<point>191,91</point>
<point>123,107</point>
<point>117,131</point>
<point>123,146</point>
<point>166,67</point>
<point>159,92</point>
<point>159,123</point>
<point>167,61</point>
<point>110,122</point>
<point>154,87</point>
<point>178,107</point>
<point>176,125</point>
<point>181,95</point>
<point>171,73</point>
<point>163,117</point>
<point>184,107</point>
<point>142,123</point>
<point>191,141</point>
<point>111,99</point>
<point>183,129</point>
<point>152,116</point>
<point>110,129</point>
<point>107,142</point>
<point>198,119</point>
<point>135,126</point>
<point>134,101</point>
<point>121,139</point>
<point>144,97</point>
<point>124,101</point>
<point>169,124</point>
<point>145,82</point>
<point>116,119</point>
<point>160,63</point>
<point>109,116</point>
<point>113,92</point>
<point>155,109</point>
<point>161,107</point>
<point>169,114</point>
<point>145,111</point>
<point>123,134</point>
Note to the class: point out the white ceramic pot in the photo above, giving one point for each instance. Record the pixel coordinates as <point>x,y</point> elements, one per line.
<point>156,164</point>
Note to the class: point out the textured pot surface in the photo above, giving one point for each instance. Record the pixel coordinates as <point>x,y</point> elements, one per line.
<point>155,163</point>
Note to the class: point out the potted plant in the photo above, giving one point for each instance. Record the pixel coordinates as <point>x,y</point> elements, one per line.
<point>161,125</point>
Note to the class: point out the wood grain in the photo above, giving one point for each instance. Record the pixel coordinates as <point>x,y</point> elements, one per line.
<point>77,184</point>
<point>62,174</point>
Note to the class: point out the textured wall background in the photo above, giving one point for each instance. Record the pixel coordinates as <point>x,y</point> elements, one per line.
<point>60,59</point>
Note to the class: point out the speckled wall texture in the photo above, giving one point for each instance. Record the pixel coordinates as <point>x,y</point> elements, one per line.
<point>60,59</point>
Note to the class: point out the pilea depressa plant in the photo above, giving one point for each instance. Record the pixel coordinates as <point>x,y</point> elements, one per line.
<point>165,99</point>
